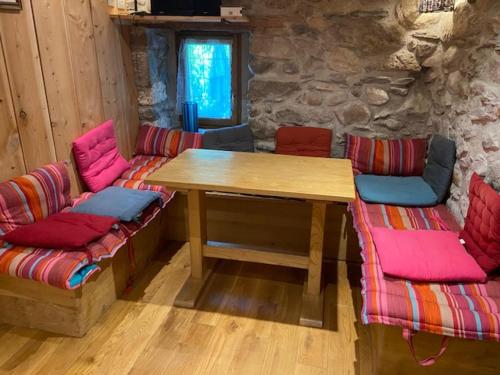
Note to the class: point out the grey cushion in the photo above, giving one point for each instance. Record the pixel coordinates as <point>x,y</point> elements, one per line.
<point>234,138</point>
<point>440,163</point>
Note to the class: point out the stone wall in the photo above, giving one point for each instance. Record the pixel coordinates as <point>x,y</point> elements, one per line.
<point>368,67</point>
<point>350,66</point>
<point>463,75</point>
<point>334,64</point>
<point>153,56</point>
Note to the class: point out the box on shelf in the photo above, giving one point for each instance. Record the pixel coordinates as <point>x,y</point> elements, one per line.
<point>231,12</point>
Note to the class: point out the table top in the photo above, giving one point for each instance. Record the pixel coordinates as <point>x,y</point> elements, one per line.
<point>309,178</point>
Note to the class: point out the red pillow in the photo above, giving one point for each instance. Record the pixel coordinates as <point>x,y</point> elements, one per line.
<point>66,230</point>
<point>481,232</point>
<point>396,157</point>
<point>304,141</point>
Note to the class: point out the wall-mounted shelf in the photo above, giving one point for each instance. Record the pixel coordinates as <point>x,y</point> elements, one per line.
<point>125,18</point>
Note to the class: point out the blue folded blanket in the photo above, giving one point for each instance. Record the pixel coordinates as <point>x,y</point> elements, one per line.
<point>124,204</point>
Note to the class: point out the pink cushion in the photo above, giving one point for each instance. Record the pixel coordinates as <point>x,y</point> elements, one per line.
<point>97,157</point>
<point>397,157</point>
<point>482,225</point>
<point>425,255</point>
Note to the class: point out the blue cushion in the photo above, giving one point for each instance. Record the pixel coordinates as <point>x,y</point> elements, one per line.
<point>397,191</point>
<point>125,204</point>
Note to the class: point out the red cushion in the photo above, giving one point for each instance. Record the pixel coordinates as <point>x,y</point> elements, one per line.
<point>304,141</point>
<point>62,231</point>
<point>481,232</point>
<point>396,157</point>
<point>98,159</point>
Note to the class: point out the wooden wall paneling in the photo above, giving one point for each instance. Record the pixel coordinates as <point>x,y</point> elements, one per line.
<point>131,106</point>
<point>11,153</point>
<point>27,86</point>
<point>112,72</point>
<point>59,84</point>
<point>83,55</point>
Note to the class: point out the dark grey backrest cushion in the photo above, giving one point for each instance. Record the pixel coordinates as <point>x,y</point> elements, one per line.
<point>234,138</point>
<point>440,163</point>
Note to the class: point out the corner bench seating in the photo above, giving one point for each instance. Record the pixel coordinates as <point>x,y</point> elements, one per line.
<point>470,311</point>
<point>60,291</point>
<point>461,310</point>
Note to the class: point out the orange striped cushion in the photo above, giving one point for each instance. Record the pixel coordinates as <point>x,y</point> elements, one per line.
<point>27,199</point>
<point>399,157</point>
<point>166,142</point>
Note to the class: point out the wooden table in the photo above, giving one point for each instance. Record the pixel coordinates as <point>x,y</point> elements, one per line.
<point>318,180</point>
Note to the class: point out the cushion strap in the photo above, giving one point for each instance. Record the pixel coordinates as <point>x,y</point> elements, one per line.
<point>408,335</point>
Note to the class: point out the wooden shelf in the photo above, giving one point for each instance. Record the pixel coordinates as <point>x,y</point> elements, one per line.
<point>126,18</point>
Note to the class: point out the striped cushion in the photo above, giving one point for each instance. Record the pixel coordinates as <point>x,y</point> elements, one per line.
<point>142,166</point>
<point>27,199</point>
<point>158,141</point>
<point>400,157</point>
<point>68,269</point>
<point>465,310</point>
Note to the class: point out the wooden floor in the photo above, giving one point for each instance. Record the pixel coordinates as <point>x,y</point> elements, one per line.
<point>246,324</point>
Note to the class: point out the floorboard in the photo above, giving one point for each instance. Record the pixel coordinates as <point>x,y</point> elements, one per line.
<point>246,322</point>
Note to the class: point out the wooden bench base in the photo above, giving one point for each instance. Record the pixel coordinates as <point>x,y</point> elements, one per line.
<point>390,354</point>
<point>31,304</point>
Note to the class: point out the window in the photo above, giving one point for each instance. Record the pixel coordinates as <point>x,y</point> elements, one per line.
<point>208,74</point>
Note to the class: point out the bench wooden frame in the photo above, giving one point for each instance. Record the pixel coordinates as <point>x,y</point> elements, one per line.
<point>28,303</point>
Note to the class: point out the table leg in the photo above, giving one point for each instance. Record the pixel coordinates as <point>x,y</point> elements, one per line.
<point>200,271</point>
<point>313,298</point>
<point>197,214</point>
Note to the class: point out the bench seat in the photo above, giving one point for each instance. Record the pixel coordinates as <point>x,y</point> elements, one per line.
<point>470,311</point>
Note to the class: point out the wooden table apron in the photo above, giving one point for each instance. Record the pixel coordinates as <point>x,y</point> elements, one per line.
<point>204,253</point>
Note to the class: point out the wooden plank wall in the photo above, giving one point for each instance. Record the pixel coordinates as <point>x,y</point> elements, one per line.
<point>64,69</point>
<point>11,153</point>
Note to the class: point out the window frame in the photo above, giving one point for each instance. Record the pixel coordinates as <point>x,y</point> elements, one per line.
<point>235,75</point>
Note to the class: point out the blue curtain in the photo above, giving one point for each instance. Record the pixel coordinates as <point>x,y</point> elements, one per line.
<point>205,77</point>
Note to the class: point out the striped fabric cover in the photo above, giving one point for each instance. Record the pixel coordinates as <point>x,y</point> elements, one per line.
<point>153,140</point>
<point>57,267</point>
<point>469,311</point>
<point>32,197</point>
<point>402,157</point>
<point>142,166</point>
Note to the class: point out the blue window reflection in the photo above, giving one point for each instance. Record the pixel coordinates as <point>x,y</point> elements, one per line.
<point>208,77</point>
